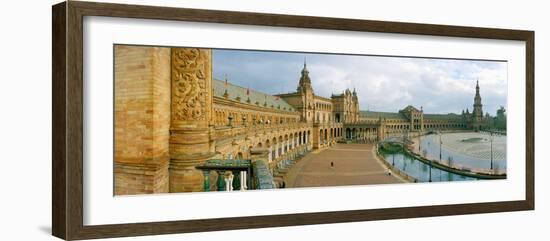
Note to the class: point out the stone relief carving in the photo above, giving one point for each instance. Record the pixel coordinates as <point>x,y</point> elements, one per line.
<point>189,84</point>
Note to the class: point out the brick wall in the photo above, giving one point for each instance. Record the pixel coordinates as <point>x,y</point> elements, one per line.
<point>142,119</point>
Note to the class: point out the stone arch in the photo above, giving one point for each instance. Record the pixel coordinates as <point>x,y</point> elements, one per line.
<point>285,143</point>
<point>274,149</point>
<point>280,146</point>
<point>269,147</point>
<point>290,141</point>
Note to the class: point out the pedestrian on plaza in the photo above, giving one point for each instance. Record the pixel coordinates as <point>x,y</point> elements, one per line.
<point>331,164</point>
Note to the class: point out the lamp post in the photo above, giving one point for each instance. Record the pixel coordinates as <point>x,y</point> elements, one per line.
<point>404,141</point>
<point>491,133</point>
<point>419,143</point>
<point>430,179</point>
<point>440,143</point>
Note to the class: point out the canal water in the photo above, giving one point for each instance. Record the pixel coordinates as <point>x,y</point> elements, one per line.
<point>421,171</point>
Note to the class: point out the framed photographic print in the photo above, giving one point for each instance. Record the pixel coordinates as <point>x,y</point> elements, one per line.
<point>171,120</point>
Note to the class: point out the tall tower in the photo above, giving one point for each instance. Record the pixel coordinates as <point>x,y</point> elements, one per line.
<point>305,90</point>
<point>305,82</point>
<point>355,108</point>
<point>477,113</point>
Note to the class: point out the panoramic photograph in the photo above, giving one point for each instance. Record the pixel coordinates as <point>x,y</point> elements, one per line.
<point>201,120</point>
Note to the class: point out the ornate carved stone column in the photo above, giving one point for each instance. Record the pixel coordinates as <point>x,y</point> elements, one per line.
<point>269,156</point>
<point>190,128</point>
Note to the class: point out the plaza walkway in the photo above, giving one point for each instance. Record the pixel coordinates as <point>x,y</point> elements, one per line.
<point>354,164</point>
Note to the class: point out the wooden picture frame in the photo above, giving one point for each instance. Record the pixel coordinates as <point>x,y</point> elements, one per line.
<point>67,123</point>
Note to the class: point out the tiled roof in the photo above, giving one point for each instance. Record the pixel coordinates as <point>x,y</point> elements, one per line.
<point>391,115</point>
<point>377,115</point>
<point>451,116</point>
<point>237,92</point>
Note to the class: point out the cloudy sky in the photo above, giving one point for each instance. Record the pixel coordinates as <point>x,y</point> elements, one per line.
<point>382,83</point>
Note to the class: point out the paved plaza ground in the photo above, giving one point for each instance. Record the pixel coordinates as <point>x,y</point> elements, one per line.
<point>354,164</point>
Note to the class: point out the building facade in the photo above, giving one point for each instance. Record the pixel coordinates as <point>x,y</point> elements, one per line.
<point>171,115</point>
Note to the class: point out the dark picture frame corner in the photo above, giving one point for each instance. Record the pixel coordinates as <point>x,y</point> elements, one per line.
<point>67,119</point>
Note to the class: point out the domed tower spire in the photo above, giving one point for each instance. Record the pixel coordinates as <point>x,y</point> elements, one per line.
<point>477,98</point>
<point>477,88</point>
<point>304,70</point>
<point>305,90</point>
<point>305,81</point>
<point>477,113</point>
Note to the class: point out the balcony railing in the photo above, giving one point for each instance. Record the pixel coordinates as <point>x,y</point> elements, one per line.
<point>236,130</point>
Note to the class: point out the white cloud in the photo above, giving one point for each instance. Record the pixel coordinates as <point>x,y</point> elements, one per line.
<point>382,83</point>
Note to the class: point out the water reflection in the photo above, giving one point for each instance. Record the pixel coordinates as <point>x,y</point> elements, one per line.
<point>421,171</point>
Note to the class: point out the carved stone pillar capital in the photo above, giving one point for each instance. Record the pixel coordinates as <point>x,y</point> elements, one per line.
<point>191,87</point>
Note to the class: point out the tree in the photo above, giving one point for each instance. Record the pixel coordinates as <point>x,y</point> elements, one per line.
<point>490,121</point>
<point>500,119</point>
